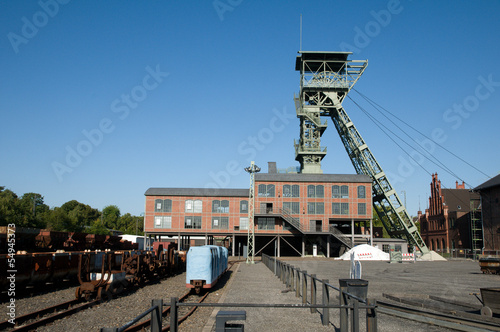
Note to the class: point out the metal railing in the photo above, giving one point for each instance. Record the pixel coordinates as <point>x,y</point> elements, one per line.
<point>340,236</point>
<point>296,280</point>
<point>295,222</point>
<point>156,319</point>
<point>463,253</point>
<point>349,304</point>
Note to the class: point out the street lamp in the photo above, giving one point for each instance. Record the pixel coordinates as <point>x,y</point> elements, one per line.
<point>251,233</point>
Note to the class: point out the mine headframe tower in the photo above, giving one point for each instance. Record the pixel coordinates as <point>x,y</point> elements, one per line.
<point>325,80</point>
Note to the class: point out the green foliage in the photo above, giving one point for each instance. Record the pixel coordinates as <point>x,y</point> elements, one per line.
<point>72,216</point>
<point>27,211</point>
<point>97,228</point>
<point>111,216</point>
<point>130,224</point>
<point>8,207</point>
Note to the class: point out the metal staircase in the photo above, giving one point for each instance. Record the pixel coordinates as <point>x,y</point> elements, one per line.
<point>295,222</point>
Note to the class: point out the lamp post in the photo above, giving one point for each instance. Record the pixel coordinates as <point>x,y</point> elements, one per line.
<point>251,201</point>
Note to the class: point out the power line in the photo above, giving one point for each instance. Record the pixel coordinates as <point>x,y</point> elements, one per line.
<point>378,108</point>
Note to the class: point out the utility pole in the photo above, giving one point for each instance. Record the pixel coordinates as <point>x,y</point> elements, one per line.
<point>251,201</point>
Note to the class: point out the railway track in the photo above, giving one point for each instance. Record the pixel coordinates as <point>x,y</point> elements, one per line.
<point>183,313</point>
<point>456,320</point>
<point>43,317</point>
<point>33,320</point>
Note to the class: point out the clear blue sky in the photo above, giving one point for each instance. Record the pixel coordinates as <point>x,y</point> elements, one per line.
<point>102,100</point>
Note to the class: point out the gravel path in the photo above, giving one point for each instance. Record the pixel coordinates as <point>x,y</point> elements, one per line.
<point>123,308</point>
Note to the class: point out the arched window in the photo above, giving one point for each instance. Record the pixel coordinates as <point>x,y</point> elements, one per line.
<point>163,205</point>
<point>344,192</point>
<point>215,205</point>
<point>224,206</point>
<point>335,191</point>
<point>291,190</point>
<point>315,191</point>
<point>361,192</point>
<point>198,206</point>
<point>189,207</point>
<point>220,206</point>
<point>243,206</point>
<point>266,190</point>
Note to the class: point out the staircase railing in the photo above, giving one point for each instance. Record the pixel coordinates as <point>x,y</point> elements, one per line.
<point>295,222</point>
<point>341,236</point>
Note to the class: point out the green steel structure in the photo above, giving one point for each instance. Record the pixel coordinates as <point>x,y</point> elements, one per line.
<point>325,80</point>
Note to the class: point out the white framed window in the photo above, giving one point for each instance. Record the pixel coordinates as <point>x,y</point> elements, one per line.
<point>163,222</point>
<point>244,223</point>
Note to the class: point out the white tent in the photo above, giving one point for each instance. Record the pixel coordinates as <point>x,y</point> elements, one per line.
<point>365,252</point>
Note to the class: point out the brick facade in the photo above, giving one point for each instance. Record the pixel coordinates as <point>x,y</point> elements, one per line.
<point>316,201</point>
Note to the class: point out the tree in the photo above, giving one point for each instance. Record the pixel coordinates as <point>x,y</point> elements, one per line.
<point>110,216</point>
<point>97,228</point>
<point>130,224</point>
<point>32,209</point>
<point>8,207</point>
<point>58,220</point>
<point>81,215</point>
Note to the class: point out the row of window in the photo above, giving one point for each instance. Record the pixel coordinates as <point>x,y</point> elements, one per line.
<point>313,191</point>
<point>291,207</point>
<point>223,222</point>
<point>194,222</point>
<point>196,206</point>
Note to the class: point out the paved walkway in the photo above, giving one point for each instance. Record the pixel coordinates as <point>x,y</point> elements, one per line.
<point>257,284</point>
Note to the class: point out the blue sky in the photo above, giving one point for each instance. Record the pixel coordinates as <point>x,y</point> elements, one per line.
<point>102,100</point>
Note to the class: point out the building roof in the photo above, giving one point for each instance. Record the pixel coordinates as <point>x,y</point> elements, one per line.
<point>459,199</point>
<point>300,177</point>
<point>201,192</point>
<point>493,182</point>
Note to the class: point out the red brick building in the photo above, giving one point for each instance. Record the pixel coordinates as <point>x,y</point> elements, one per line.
<point>448,223</point>
<point>298,211</point>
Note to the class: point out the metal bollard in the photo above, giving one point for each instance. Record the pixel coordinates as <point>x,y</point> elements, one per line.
<point>297,282</point>
<point>313,292</point>
<point>289,276</point>
<point>174,324</point>
<point>355,316</point>
<point>344,312</point>
<point>156,315</point>
<point>304,287</point>
<point>371,316</point>
<point>326,301</point>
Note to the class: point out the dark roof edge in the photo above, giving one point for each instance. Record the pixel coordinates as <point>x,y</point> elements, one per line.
<point>493,182</point>
<point>204,192</point>
<point>300,177</point>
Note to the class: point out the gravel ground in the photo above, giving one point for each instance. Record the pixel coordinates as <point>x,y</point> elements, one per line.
<point>123,308</point>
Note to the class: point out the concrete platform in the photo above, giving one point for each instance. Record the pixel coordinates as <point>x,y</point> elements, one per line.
<point>257,284</point>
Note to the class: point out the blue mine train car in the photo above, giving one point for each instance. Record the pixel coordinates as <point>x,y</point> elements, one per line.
<point>204,266</point>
